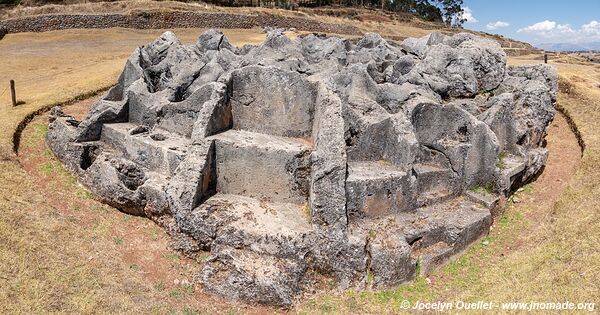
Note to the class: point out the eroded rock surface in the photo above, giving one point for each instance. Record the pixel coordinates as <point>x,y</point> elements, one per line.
<point>298,159</point>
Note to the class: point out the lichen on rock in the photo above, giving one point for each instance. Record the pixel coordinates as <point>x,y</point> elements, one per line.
<point>313,156</point>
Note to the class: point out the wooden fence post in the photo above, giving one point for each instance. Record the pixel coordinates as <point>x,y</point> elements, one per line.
<point>13,93</point>
<point>545,58</point>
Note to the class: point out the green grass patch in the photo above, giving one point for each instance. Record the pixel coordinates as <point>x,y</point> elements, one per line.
<point>118,241</point>
<point>153,233</point>
<point>370,278</point>
<point>173,257</point>
<point>327,306</point>
<point>527,189</point>
<point>188,288</point>
<point>180,292</point>
<point>501,163</point>
<point>189,311</point>
<point>84,193</point>
<point>484,188</point>
<point>61,174</point>
<point>159,286</point>
<point>204,256</point>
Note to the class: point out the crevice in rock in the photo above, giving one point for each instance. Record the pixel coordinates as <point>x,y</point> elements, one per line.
<point>352,137</point>
<point>181,92</point>
<point>220,42</point>
<point>131,176</point>
<point>415,242</point>
<point>369,264</point>
<point>432,148</point>
<point>209,185</point>
<point>88,156</point>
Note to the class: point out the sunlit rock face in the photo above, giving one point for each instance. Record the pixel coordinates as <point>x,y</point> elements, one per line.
<point>313,157</point>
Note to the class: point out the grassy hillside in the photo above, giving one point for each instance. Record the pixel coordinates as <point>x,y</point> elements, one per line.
<point>392,25</point>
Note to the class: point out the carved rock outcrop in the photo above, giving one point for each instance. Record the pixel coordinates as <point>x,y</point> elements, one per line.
<point>315,155</point>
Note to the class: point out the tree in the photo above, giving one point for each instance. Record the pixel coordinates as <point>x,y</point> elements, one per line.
<point>404,5</point>
<point>9,2</point>
<point>428,11</point>
<point>452,11</point>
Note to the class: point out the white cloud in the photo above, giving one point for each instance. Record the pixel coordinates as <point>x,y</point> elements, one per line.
<point>467,15</point>
<point>592,28</point>
<point>551,31</point>
<point>539,27</point>
<point>496,25</point>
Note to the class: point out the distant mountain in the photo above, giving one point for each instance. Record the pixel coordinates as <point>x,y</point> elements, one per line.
<point>569,46</point>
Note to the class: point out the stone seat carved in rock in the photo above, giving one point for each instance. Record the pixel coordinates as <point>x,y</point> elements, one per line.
<point>266,153</point>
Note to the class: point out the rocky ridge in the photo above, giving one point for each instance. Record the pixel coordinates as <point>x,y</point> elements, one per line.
<point>297,159</point>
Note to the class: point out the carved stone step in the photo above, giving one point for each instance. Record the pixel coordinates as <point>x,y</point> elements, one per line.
<point>430,235</point>
<point>158,150</point>
<point>375,189</point>
<point>274,228</point>
<point>513,165</point>
<point>435,184</point>
<point>262,166</point>
<point>256,246</point>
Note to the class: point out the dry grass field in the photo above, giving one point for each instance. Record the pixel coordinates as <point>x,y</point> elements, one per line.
<point>62,251</point>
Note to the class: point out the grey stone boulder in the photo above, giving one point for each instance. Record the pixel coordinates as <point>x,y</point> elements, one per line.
<point>543,73</point>
<point>62,133</point>
<point>117,182</point>
<point>397,72</point>
<point>317,50</point>
<point>417,46</point>
<point>131,73</point>
<point>343,256</point>
<point>213,40</point>
<point>499,117</point>
<point>191,182</point>
<point>372,47</point>
<point>457,66</point>
<point>90,129</point>
<point>299,160</point>
<point>469,145</point>
<point>534,116</point>
<point>489,62</point>
<point>391,261</point>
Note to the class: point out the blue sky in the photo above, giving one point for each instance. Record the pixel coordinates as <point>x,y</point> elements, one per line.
<point>537,21</point>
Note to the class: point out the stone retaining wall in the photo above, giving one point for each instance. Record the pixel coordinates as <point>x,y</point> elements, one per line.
<point>166,20</point>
